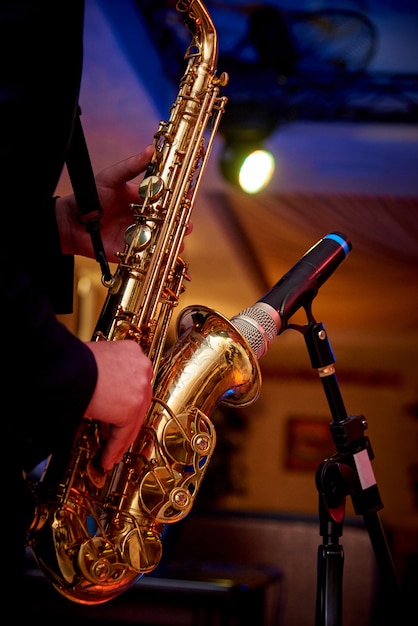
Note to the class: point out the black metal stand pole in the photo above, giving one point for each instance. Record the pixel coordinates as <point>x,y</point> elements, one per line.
<point>348,472</point>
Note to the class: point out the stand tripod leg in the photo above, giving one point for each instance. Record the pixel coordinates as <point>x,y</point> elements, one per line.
<point>389,606</point>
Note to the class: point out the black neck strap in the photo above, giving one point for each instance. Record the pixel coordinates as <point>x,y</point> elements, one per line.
<point>85,191</point>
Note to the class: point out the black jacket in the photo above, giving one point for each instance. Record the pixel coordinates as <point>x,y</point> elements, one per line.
<point>48,374</point>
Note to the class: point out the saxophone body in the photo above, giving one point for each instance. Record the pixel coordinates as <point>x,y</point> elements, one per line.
<point>95,533</point>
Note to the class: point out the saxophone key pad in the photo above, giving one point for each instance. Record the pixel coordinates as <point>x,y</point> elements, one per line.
<point>151,188</point>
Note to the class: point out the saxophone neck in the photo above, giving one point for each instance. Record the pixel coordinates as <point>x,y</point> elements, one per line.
<point>204,37</point>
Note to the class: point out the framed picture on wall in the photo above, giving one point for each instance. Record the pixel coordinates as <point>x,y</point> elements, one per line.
<point>309,442</point>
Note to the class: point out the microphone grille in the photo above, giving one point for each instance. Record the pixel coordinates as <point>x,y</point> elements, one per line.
<point>258,328</point>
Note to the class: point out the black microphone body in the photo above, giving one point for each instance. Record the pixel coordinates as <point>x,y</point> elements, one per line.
<point>269,316</point>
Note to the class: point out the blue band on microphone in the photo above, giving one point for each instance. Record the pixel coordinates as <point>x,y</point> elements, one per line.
<point>339,240</point>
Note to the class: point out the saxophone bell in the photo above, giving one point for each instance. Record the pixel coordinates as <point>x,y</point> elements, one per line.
<point>157,483</point>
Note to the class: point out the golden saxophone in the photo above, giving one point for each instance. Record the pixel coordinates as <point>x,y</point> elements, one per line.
<point>96,533</point>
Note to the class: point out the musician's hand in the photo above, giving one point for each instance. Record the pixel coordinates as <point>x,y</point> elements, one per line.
<point>122,395</point>
<point>116,192</point>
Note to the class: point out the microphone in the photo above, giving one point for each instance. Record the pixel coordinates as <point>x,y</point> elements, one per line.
<point>268,317</point>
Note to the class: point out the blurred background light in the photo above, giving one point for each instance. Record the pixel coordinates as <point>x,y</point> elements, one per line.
<point>256,171</point>
<point>247,165</point>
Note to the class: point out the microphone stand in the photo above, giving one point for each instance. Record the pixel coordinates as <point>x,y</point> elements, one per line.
<point>348,472</point>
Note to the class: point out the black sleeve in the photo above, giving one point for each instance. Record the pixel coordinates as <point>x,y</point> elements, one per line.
<point>56,276</point>
<point>49,374</point>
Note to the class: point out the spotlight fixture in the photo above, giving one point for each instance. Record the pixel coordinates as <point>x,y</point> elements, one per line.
<point>247,165</point>
<point>245,127</point>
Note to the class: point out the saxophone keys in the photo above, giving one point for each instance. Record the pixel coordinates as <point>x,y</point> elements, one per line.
<point>201,443</point>
<point>181,499</point>
<point>152,188</point>
<point>223,79</point>
<point>138,236</point>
